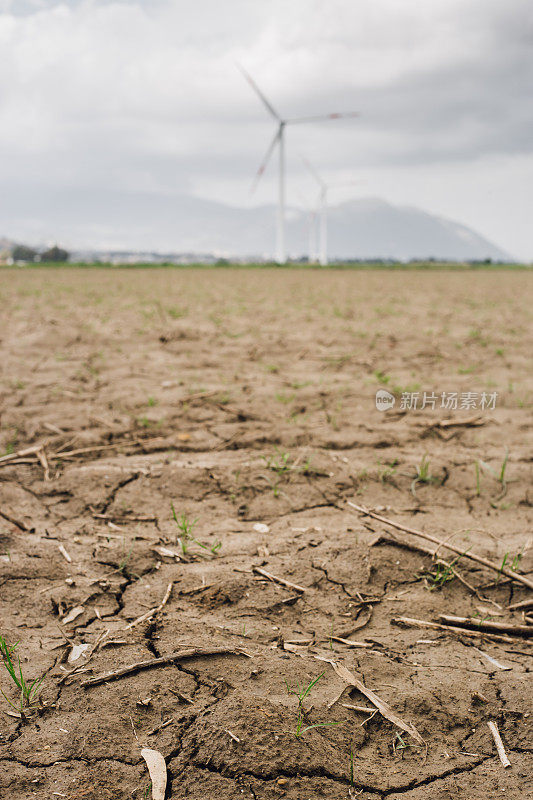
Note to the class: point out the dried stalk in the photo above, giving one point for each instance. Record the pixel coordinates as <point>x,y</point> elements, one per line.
<point>498,568</point>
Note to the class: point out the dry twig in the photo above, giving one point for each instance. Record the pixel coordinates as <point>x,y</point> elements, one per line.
<point>409,622</point>
<point>153,611</point>
<point>523,604</point>
<point>180,655</point>
<point>351,642</point>
<point>275,578</point>
<point>492,627</point>
<point>499,568</point>
<point>499,744</point>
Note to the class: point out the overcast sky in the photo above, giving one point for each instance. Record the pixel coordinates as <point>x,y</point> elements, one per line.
<point>144,95</point>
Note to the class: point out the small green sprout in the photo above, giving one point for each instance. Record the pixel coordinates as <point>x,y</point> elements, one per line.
<point>186,527</point>
<point>28,691</point>
<point>503,467</point>
<point>278,462</point>
<point>301,693</point>
<point>399,743</point>
<point>423,474</point>
<point>126,557</point>
<point>444,573</point>
<point>478,479</point>
<point>514,564</point>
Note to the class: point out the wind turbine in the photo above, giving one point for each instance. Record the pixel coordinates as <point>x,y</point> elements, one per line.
<point>279,141</point>
<point>311,214</point>
<point>323,210</point>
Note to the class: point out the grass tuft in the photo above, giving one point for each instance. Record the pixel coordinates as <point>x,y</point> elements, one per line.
<point>28,692</point>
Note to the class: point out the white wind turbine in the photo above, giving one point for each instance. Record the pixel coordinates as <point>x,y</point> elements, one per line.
<point>323,210</point>
<point>279,140</point>
<point>311,214</point>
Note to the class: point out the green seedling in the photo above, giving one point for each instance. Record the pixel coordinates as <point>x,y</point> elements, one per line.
<point>503,467</point>
<point>300,384</point>
<point>514,564</point>
<point>422,471</point>
<point>399,743</point>
<point>281,397</point>
<point>387,471</point>
<point>500,571</point>
<point>175,312</point>
<point>423,475</point>
<point>126,557</point>
<point>300,729</point>
<point>382,376</point>
<point>11,443</point>
<point>308,469</point>
<point>301,693</point>
<point>497,475</point>
<point>278,462</point>
<point>478,479</point>
<point>28,691</point>
<point>186,527</point>
<point>443,574</point>
<point>352,782</point>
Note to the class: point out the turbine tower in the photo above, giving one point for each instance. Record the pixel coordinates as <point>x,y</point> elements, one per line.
<point>279,141</point>
<point>323,210</point>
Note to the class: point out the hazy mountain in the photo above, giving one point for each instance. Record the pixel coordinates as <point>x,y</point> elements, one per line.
<point>373,228</point>
<point>365,228</point>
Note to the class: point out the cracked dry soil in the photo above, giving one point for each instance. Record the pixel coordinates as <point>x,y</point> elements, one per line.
<point>246,397</point>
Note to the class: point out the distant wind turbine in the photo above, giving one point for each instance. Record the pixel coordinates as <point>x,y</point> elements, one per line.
<point>323,209</point>
<point>279,141</point>
<point>311,215</point>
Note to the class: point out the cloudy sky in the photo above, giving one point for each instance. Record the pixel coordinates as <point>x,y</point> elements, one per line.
<point>144,96</point>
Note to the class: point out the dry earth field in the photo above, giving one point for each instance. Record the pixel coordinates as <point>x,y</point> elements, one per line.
<point>245,400</point>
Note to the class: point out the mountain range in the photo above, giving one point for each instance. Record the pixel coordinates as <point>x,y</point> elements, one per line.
<point>141,221</point>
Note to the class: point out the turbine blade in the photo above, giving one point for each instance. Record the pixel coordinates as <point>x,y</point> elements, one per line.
<point>322,117</point>
<point>264,162</point>
<point>260,94</point>
<point>343,183</point>
<point>314,173</point>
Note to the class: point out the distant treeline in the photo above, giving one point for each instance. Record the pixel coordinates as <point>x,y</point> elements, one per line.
<point>55,254</point>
